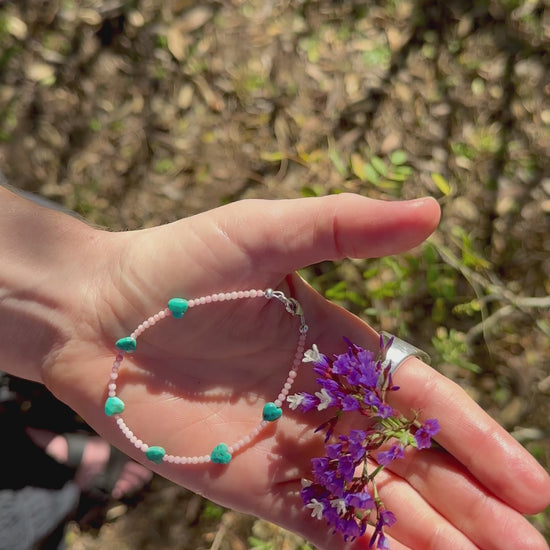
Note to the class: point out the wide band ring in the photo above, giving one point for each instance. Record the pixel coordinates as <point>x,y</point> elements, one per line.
<point>399,351</point>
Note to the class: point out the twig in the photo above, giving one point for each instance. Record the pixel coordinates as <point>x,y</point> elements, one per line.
<point>216,543</point>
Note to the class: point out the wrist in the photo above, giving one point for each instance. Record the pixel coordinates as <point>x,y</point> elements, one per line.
<point>43,254</point>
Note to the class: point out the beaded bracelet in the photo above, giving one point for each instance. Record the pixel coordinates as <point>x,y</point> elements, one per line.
<point>272,411</point>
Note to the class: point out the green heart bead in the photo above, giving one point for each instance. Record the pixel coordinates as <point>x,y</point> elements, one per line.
<point>178,306</point>
<point>220,454</point>
<point>272,412</point>
<point>127,344</point>
<point>113,405</point>
<point>155,454</point>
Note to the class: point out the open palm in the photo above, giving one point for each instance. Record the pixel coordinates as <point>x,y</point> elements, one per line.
<point>204,379</point>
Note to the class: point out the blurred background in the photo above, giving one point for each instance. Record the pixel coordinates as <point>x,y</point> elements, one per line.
<point>135,113</point>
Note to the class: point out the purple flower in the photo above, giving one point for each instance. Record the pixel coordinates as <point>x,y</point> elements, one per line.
<point>308,402</point>
<point>346,467</point>
<point>363,500</point>
<point>385,457</point>
<point>387,518</point>
<point>341,492</point>
<point>383,543</point>
<point>349,528</point>
<point>384,410</point>
<point>372,399</point>
<point>322,366</point>
<point>350,403</point>
<point>342,365</point>
<point>424,434</point>
<point>334,450</point>
<point>330,385</point>
<point>355,444</point>
<point>320,467</point>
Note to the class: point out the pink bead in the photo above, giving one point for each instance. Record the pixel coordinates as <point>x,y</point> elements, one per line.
<point>145,324</point>
<point>281,397</point>
<point>112,393</point>
<point>246,293</point>
<point>114,375</point>
<point>190,303</point>
<point>162,314</point>
<point>284,392</point>
<point>133,439</point>
<point>221,297</point>
<point>260,293</point>
<point>138,443</point>
<point>231,449</point>
<point>246,439</point>
<point>215,297</point>
<point>234,295</point>
<point>156,317</point>
<point>119,358</point>
<point>112,386</point>
<point>240,294</point>
<point>300,349</point>
<point>277,403</point>
<point>206,458</point>
<point>202,300</point>
<point>184,460</point>
<point>228,296</point>
<point>263,424</point>
<point>287,386</point>
<point>195,460</point>
<point>143,447</point>
<point>169,458</point>
<point>208,299</point>
<point>253,293</point>
<point>116,365</point>
<point>292,374</point>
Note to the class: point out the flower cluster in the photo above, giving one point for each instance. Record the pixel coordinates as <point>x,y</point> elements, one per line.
<point>342,491</point>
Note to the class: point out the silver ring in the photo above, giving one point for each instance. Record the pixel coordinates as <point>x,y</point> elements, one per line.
<point>399,351</point>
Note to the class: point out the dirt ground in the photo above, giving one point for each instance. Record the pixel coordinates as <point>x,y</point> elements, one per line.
<point>139,112</point>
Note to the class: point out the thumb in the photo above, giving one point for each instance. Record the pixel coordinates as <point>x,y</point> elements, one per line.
<point>285,235</point>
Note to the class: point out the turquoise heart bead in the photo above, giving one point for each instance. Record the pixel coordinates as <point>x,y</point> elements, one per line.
<point>127,344</point>
<point>155,454</point>
<point>113,405</point>
<point>220,454</point>
<point>178,306</point>
<point>272,412</point>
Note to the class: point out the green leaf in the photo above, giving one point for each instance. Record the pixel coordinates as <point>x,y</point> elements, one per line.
<point>430,254</point>
<point>398,157</point>
<point>337,291</point>
<point>379,165</point>
<point>442,184</point>
<point>358,166</point>
<point>371,174</point>
<point>308,191</point>
<point>339,164</point>
<point>272,156</point>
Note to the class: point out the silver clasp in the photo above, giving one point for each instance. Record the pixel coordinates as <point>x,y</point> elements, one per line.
<point>291,305</point>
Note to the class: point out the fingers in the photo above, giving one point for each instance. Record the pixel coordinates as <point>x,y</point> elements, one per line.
<point>285,235</point>
<point>475,439</point>
<point>462,505</point>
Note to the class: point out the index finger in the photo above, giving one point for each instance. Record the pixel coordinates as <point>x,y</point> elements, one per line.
<point>486,449</point>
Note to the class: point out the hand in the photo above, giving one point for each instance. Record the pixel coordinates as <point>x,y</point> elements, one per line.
<point>190,388</point>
